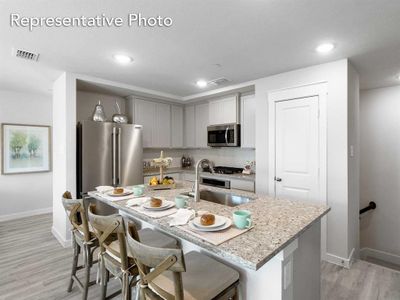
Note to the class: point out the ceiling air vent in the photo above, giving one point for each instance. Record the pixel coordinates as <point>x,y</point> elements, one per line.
<point>25,54</point>
<point>219,81</point>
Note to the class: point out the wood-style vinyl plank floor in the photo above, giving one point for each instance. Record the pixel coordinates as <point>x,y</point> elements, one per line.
<point>34,266</point>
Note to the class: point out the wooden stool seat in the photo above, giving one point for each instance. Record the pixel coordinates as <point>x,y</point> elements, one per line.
<point>204,279</point>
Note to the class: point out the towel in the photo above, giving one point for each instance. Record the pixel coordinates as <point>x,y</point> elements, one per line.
<point>182,217</point>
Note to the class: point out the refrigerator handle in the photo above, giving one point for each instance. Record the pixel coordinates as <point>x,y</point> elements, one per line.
<point>119,156</point>
<point>114,156</point>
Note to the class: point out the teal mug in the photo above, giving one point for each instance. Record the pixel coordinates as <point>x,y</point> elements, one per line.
<point>181,201</point>
<point>242,219</point>
<point>138,190</point>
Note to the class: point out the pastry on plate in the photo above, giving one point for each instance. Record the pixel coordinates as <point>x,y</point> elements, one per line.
<point>155,202</point>
<point>207,219</point>
<point>118,190</point>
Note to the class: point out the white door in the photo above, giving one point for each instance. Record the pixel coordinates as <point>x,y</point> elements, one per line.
<point>297,149</point>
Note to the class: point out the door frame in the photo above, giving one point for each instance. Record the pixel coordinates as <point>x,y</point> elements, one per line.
<point>315,89</point>
<point>320,90</point>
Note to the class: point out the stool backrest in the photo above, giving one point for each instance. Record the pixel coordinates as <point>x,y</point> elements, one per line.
<point>109,229</point>
<point>153,261</point>
<point>76,213</point>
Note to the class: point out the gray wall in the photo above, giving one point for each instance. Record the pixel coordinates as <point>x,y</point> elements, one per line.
<point>23,193</point>
<point>380,168</point>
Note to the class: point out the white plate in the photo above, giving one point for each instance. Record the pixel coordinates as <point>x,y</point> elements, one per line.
<point>125,193</point>
<point>165,204</point>
<point>223,227</point>
<point>219,221</point>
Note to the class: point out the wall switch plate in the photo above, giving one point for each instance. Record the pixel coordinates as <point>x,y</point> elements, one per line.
<point>351,151</point>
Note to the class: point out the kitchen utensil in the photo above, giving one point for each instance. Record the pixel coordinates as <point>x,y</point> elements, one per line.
<point>242,219</point>
<point>223,227</point>
<point>181,201</point>
<point>219,221</point>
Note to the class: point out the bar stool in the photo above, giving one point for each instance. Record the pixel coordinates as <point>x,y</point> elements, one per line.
<point>83,239</point>
<point>168,274</point>
<point>114,256</point>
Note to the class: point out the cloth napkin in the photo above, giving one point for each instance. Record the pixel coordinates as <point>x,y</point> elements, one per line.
<point>137,201</point>
<point>181,217</point>
<point>104,188</point>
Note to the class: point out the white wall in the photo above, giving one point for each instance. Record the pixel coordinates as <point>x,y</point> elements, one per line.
<point>64,151</point>
<point>380,168</point>
<point>354,160</point>
<point>86,102</point>
<point>335,74</point>
<point>23,193</point>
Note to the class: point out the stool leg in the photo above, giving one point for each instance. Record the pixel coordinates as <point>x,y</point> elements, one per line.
<point>126,287</point>
<point>75,258</point>
<point>105,276</point>
<point>87,263</point>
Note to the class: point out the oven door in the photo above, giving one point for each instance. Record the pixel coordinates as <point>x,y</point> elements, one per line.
<point>223,135</point>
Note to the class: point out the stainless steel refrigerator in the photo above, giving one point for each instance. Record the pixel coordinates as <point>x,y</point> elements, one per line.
<point>108,154</point>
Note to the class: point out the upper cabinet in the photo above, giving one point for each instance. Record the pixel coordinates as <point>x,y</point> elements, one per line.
<point>202,121</point>
<point>156,121</point>
<point>224,111</point>
<point>248,121</point>
<point>176,126</point>
<point>162,129</point>
<point>189,126</point>
<point>145,115</point>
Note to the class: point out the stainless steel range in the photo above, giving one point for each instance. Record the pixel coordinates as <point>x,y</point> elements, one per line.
<point>224,170</point>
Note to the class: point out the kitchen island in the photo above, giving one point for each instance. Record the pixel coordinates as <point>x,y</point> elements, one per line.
<point>271,257</point>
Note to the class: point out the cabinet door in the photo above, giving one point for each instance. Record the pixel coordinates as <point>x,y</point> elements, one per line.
<point>145,116</point>
<point>201,125</point>
<point>162,128</point>
<point>189,128</point>
<point>223,111</point>
<point>248,124</point>
<point>177,126</point>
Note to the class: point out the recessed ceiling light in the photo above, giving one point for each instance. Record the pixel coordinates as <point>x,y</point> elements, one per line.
<point>325,48</point>
<point>122,59</point>
<point>201,83</point>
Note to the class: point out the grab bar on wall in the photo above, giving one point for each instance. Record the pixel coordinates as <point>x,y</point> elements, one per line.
<point>371,205</point>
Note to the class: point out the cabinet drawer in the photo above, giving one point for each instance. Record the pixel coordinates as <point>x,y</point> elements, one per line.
<point>243,185</point>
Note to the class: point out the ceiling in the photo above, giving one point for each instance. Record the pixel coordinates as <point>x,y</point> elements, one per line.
<point>241,40</point>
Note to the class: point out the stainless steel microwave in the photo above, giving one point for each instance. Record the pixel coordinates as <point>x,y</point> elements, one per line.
<point>227,135</point>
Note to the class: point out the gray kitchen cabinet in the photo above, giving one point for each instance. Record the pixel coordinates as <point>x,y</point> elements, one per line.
<point>248,121</point>
<point>145,115</point>
<point>202,119</point>
<point>189,127</point>
<point>162,126</point>
<point>243,185</point>
<point>224,111</point>
<point>176,126</point>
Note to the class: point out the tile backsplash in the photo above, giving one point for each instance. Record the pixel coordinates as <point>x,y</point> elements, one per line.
<point>231,157</point>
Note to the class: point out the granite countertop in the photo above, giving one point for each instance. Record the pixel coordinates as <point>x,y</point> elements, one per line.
<point>153,171</point>
<point>277,222</point>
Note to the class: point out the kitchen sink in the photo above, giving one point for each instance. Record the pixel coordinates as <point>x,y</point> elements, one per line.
<point>221,198</point>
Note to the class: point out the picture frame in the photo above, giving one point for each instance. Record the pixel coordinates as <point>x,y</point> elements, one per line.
<point>25,148</point>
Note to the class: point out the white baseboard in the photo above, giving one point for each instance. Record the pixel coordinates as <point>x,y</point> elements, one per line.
<point>381,255</point>
<point>340,261</point>
<point>65,243</point>
<point>25,214</point>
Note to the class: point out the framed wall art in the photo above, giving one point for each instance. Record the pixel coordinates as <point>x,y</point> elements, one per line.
<point>25,148</point>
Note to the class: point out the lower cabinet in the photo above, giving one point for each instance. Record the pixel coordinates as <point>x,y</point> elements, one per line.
<point>243,185</point>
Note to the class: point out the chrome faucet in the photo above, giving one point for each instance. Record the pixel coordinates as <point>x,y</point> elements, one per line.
<point>196,183</point>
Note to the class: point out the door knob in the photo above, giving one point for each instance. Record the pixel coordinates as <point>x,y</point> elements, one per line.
<point>278,179</point>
